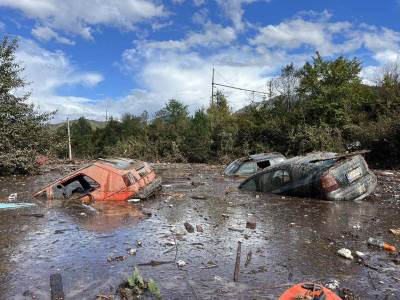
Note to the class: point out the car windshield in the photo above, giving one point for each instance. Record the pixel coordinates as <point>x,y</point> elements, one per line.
<point>232,168</point>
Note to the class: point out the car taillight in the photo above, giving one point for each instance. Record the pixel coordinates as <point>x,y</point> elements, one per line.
<point>329,183</point>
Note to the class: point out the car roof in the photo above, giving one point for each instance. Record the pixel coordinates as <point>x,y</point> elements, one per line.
<point>262,156</point>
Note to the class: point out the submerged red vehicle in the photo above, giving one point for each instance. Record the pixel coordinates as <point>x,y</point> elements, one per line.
<point>105,179</point>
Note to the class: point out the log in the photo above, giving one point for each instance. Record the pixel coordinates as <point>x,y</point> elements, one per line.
<point>237,263</point>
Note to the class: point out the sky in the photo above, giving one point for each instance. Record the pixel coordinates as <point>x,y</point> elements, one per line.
<point>83,58</point>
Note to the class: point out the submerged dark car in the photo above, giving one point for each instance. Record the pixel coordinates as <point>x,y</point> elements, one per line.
<point>322,175</point>
<point>249,165</point>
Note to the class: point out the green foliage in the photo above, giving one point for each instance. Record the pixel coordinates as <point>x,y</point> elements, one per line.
<point>153,288</point>
<point>23,133</point>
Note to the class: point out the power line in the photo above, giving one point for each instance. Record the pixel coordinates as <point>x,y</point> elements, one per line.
<point>241,89</point>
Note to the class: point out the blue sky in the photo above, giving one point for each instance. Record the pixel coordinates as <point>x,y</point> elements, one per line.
<point>83,57</point>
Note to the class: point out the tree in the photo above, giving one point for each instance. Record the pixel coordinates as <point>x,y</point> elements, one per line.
<point>198,138</point>
<point>23,131</point>
<point>330,91</point>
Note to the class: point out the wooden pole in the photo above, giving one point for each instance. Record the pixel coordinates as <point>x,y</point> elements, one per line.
<point>69,142</point>
<point>212,88</point>
<point>237,264</point>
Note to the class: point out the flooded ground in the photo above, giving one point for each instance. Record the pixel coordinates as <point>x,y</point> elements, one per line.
<point>295,240</point>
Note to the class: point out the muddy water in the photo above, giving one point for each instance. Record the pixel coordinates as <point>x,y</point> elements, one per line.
<point>295,240</point>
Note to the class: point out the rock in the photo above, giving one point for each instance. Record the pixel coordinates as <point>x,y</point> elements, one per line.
<point>360,254</point>
<point>346,253</point>
<point>189,227</point>
<point>132,251</point>
<point>181,263</point>
<point>199,228</point>
<point>251,223</point>
<point>139,243</point>
<point>225,216</point>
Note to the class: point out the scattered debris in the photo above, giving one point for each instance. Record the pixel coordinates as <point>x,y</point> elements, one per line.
<point>116,258</point>
<point>181,263</point>
<point>199,228</point>
<point>155,263</point>
<point>56,287</point>
<point>12,197</point>
<point>237,263</point>
<point>346,253</point>
<point>360,254</point>
<point>381,244</point>
<point>139,243</point>
<point>395,231</point>
<point>332,284</point>
<point>132,251</point>
<point>33,215</point>
<point>248,258</point>
<point>16,205</point>
<point>134,200</point>
<point>189,227</point>
<point>225,216</point>
<point>251,223</point>
<point>347,294</point>
<point>235,229</point>
<point>199,197</point>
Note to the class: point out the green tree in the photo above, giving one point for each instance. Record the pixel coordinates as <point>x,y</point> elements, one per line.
<point>23,131</point>
<point>198,138</point>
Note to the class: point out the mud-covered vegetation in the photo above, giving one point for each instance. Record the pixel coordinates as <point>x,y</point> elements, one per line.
<point>322,105</point>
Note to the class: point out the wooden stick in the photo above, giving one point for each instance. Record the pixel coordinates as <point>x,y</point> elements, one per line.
<point>237,264</point>
<point>56,287</point>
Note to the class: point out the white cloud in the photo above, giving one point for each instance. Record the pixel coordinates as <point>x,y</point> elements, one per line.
<point>46,34</point>
<point>213,35</point>
<point>48,71</point>
<point>298,32</point>
<point>79,17</point>
<point>233,9</point>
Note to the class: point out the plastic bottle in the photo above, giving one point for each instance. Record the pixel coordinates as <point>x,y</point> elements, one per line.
<point>381,244</point>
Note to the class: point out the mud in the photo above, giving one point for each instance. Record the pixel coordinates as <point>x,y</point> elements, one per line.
<point>294,240</point>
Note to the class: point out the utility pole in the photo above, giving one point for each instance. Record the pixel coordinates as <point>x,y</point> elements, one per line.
<point>69,141</point>
<point>212,88</point>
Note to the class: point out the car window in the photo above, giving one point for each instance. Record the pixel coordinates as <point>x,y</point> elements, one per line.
<point>75,187</point>
<point>274,180</point>
<point>250,185</point>
<point>231,168</point>
<point>247,168</point>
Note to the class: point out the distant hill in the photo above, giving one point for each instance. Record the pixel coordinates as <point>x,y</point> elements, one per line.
<point>93,123</point>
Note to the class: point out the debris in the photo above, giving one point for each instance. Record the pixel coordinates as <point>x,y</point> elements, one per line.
<point>116,258</point>
<point>360,254</point>
<point>189,227</point>
<point>347,294</point>
<point>134,200</point>
<point>346,253</point>
<point>237,263</point>
<point>139,243</point>
<point>235,229</point>
<point>198,197</point>
<point>209,265</point>
<point>332,284</point>
<point>33,215</point>
<point>248,258</point>
<point>251,223</point>
<point>56,287</point>
<point>12,197</point>
<point>132,251</point>
<point>225,216</point>
<point>395,231</point>
<point>181,263</point>
<point>381,244</point>
<point>199,228</point>
<point>15,205</point>
<point>155,263</point>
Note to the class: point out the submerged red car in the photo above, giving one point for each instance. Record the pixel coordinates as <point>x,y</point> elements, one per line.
<point>105,179</point>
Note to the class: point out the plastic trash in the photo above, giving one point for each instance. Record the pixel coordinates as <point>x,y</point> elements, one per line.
<point>381,244</point>
<point>346,253</point>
